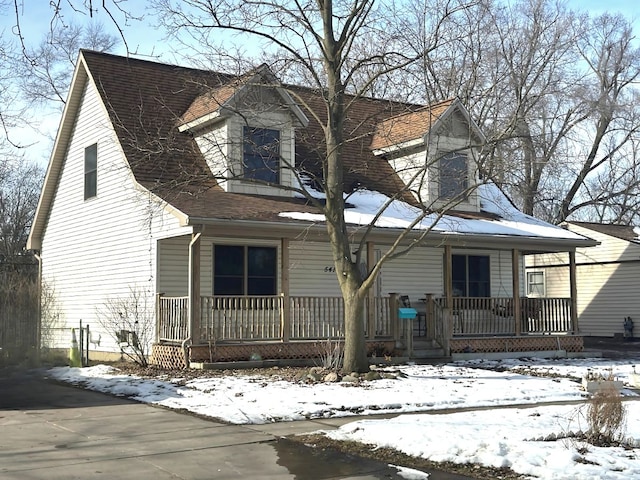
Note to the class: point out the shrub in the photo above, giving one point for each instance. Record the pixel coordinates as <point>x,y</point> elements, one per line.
<point>130,321</point>
<point>606,417</point>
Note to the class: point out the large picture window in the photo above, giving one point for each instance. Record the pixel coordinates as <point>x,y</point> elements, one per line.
<point>471,275</point>
<point>453,175</point>
<point>261,154</point>
<point>91,171</point>
<point>244,270</point>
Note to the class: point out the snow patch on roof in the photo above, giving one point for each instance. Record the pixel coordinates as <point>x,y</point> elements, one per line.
<point>511,222</point>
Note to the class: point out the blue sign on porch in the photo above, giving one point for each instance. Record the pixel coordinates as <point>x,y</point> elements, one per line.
<point>409,313</point>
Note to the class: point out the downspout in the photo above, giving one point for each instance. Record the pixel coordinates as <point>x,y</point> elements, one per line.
<point>38,258</point>
<point>192,316</point>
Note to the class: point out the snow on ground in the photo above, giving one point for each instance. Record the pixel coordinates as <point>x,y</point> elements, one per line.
<point>491,434</point>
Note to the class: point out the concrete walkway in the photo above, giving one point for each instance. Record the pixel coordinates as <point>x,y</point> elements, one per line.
<point>52,431</point>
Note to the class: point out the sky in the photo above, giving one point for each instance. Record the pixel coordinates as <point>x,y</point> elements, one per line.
<point>146,41</point>
<point>520,424</point>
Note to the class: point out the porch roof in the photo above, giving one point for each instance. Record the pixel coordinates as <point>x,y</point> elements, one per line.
<point>498,225</point>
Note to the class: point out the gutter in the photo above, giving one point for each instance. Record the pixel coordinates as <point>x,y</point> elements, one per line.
<point>385,232</point>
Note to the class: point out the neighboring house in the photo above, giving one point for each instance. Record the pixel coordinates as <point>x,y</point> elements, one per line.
<point>176,182</point>
<point>607,278</point>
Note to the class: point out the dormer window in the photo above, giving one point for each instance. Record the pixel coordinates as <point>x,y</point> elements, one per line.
<point>454,178</point>
<point>261,154</point>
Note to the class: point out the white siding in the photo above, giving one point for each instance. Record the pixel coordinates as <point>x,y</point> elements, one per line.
<point>610,249</point>
<point>438,145</point>
<point>607,286</point>
<point>606,295</point>
<point>98,249</point>
<point>311,270</point>
<point>173,266</point>
<point>214,145</point>
<point>415,274</point>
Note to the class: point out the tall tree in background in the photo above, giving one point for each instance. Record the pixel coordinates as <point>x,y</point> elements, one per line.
<point>19,192</point>
<point>612,123</point>
<point>555,93</point>
<point>44,72</point>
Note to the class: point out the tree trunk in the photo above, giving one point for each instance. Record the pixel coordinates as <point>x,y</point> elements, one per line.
<point>355,352</point>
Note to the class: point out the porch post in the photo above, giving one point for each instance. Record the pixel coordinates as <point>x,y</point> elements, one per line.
<point>371,310</point>
<point>393,315</point>
<point>515,281</point>
<point>448,293</point>
<point>285,312</point>
<point>574,292</point>
<point>159,317</point>
<point>194,287</point>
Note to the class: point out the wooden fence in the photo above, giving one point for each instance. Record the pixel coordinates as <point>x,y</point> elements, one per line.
<point>19,313</point>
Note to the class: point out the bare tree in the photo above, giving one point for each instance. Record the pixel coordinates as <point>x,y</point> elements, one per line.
<point>328,47</point>
<point>130,321</point>
<point>44,72</point>
<point>117,12</point>
<point>612,123</point>
<point>19,192</point>
<point>38,77</point>
<point>554,93</point>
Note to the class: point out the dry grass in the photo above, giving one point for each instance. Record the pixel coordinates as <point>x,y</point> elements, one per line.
<point>331,355</point>
<point>606,417</point>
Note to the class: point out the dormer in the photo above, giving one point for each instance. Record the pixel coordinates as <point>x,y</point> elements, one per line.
<point>246,132</point>
<point>434,150</point>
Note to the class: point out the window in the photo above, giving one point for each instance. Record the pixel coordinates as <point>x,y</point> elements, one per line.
<point>244,270</point>
<point>471,275</point>
<point>261,154</point>
<point>91,171</point>
<point>535,284</point>
<point>453,175</point>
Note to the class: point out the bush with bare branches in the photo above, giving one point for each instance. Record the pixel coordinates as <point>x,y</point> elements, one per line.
<point>331,354</point>
<point>606,417</point>
<point>130,321</point>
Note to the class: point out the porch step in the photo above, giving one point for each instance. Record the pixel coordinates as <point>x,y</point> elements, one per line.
<point>428,353</point>
<point>422,350</point>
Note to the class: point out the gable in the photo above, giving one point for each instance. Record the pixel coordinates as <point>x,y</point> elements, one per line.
<point>611,248</point>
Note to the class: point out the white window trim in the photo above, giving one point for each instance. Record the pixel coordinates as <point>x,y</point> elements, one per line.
<point>529,283</point>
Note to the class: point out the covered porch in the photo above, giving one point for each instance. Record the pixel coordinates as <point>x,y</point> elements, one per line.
<point>222,328</point>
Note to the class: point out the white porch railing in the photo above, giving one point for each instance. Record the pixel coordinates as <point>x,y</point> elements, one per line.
<point>250,318</point>
<point>253,318</point>
<point>172,322</point>
<point>495,316</point>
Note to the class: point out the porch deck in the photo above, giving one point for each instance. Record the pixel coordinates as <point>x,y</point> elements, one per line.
<point>232,328</point>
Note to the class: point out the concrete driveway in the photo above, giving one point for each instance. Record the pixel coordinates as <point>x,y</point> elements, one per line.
<point>52,431</point>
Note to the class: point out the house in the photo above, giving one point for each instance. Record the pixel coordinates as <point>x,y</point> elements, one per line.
<point>607,278</point>
<point>199,191</point>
